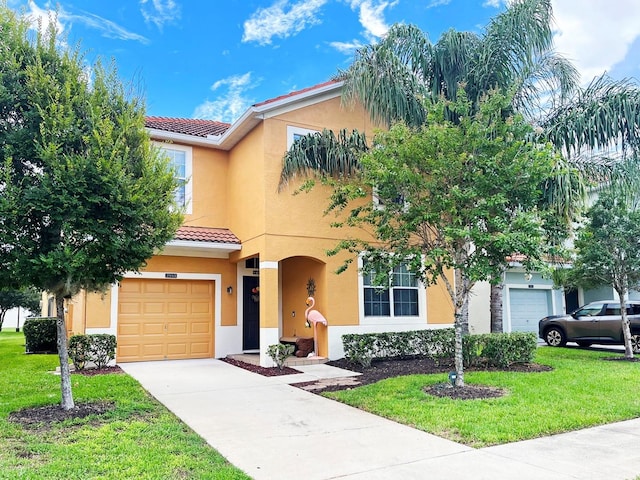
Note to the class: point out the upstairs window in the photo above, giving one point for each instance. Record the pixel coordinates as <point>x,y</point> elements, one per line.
<point>294,133</point>
<point>180,158</point>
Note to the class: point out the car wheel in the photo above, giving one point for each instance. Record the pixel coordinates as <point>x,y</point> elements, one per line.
<point>584,344</point>
<point>555,337</point>
<point>635,342</point>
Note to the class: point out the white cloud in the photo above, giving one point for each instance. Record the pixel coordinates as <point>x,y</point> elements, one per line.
<point>159,12</point>
<point>371,16</point>
<point>596,34</point>
<point>437,3</point>
<point>346,47</point>
<point>44,16</point>
<point>232,104</point>
<point>494,3</point>
<point>108,28</point>
<point>282,19</point>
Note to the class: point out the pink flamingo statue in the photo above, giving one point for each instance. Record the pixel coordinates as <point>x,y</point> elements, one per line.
<point>315,317</point>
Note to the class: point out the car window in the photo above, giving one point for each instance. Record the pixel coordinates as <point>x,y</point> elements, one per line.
<point>611,311</point>
<point>589,311</point>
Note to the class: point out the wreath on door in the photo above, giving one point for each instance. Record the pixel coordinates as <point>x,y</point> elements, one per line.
<point>255,294</point>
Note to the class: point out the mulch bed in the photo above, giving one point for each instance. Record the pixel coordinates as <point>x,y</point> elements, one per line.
<point>90,372</point>
<point>39,417</point>
<point>622,359</point>
<point>264,371</point>
<point>381,369</point>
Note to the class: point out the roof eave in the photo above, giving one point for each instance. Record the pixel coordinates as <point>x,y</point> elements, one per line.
<point>196,248</point>
<point>250,119</point>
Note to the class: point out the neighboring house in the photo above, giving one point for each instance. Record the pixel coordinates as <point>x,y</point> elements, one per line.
<point>235,277</point>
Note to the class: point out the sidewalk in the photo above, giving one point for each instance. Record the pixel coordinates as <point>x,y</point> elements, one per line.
<point>274,431</point>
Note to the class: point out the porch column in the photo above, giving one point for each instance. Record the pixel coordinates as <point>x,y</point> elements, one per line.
<point>269,309</point>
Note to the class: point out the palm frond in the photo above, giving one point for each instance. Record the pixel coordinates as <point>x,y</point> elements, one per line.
<point>389,78</point>
<point>603,115</point>
<point>324,154</point>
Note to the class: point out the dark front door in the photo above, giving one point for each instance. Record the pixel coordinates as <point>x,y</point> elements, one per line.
<point>250,314</point>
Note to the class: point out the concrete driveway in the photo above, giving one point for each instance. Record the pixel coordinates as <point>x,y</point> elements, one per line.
<point>274,431</point>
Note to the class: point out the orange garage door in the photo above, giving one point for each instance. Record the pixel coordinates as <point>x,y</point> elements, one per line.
<point>165,319</point>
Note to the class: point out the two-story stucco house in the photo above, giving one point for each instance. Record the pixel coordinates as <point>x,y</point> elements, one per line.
<point>235,277</point>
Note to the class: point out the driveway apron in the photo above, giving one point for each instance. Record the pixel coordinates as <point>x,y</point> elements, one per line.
<point>274,431</point>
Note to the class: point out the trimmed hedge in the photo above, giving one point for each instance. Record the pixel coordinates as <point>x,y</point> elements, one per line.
<point>499,349</point>
<point>97,348</point>
<point>362,348</point>
<point>496,349</point>
<point>40,334</point>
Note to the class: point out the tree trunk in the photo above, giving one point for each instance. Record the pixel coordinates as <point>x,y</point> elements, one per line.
<point>459,361</point>
<point>496,308</point>
<point>626,331</point>
<point>63,354</point>
<point>3,312</point>
<point>465,316</point>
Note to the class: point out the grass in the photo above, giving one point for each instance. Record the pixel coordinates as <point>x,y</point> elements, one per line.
<point>138,439</point>
<point>582,391</point>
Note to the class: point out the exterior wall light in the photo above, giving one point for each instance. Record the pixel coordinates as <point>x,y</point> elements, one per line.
<point>229,290</point>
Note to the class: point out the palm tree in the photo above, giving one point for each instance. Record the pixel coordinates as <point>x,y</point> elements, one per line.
<point>394,78</point>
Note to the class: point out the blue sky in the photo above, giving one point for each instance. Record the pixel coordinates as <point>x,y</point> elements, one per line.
<point>212,58</point>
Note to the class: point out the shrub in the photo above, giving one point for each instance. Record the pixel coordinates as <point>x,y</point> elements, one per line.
<point>103,349</point>
<point>279,353</point>
<point>79,350</point>
<point>495,349</point>
<point>363,348</point>
<point>40,334</point>
<point>99,349</point>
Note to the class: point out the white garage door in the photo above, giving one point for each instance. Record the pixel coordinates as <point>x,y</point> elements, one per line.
<point>527,307</point>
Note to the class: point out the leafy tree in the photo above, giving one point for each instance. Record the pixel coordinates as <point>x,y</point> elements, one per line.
<point>608,251</point>
<point>28,298</point>
<point>451,196</point>
<point>84,197</point>
<point>595,127</point>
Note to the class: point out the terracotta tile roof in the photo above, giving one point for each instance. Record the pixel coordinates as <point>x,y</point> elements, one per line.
<point>297,92</point>
<point>187,126</point>
<point>204,234</point>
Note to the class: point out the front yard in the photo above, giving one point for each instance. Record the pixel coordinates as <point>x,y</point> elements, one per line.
<point>581,391</point>
<point>137,438</point>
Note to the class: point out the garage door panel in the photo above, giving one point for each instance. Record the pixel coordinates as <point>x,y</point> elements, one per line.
<point>527,307</point>
<point>154,307</point>
<point>130,287</point>
<point>156,328</point>
<point>165,319</point>
<point>151,287</point>
<point>129,308</point>
<point>201,288</point>
<point>177,328</point>
<point>178,307</point>
<point>178,288</point>
<point>129,329</point>
<point>201,307</point>
<point>198,349</point>
<point>200,328</point>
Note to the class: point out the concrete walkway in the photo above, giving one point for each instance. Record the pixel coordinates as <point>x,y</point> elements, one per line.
<point>274,431</point>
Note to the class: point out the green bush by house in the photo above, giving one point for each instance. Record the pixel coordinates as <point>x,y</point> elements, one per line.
<point>497,349</point>
<point>40,334</point>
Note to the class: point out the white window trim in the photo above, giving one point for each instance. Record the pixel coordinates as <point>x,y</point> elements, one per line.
<point>394,321</point>
<point>188,171</point>
<point>293,131</point>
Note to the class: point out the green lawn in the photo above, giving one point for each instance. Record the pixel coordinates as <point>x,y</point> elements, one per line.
<point>582,391</point>
<point>138,439</point>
